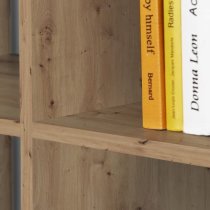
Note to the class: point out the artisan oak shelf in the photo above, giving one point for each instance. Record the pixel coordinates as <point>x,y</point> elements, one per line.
<point>119,129</point>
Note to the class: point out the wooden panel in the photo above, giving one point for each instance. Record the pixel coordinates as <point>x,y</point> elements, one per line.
<point>26,102</point>
<point>78,178</point>
<point>126,121</point>
<point>5,173</point>
<point>4,24</point>
<point>85,55</point>
<point>10,127</point>
<point>119,130</point>
<point>67,177</point>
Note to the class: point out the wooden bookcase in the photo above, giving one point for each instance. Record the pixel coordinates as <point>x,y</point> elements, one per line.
<point>79,115</point>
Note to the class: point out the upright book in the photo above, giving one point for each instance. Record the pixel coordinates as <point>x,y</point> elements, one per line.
<point>173,64</point>
<point>152,54</point>
<point>196,66</point>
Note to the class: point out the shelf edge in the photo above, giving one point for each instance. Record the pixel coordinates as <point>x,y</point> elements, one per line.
<point>125,145</point>
<point>10,127</point>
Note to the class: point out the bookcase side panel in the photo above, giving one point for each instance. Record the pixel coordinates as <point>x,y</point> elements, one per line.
<point>4,27</point>
<point>85,55</point>
<point>69,177</point>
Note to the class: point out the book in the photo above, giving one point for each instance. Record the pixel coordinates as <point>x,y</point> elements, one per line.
<point>173,64</point>
<point>196,66</point>
<point>152,60</point>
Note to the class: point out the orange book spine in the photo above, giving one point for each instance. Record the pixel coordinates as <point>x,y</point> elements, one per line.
<point>152,64</point>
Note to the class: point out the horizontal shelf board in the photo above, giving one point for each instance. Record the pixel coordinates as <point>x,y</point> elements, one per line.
<point>9,95</point>
<point>119,129</point>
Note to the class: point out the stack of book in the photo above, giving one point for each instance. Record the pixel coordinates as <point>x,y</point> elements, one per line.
<point>175,41</point>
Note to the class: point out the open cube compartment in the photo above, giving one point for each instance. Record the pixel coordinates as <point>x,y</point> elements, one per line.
<point>87,86</point>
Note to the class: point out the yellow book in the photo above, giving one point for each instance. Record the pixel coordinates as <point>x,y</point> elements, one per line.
<point>173,64</point>
<point>152,61</point>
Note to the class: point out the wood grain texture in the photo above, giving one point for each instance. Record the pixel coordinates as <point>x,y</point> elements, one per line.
<point>5,174</point>
<point>125,121</point>
<point>85,55</point>
<point>5,28</point>
<point>10,127</point>
<point>119,130</point>
<point>26,103</point>
<point>68,177</point>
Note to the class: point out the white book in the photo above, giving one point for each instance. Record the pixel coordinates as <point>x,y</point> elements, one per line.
<point>196,66</point>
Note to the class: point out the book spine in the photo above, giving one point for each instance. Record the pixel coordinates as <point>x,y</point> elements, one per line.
<point>173,64</point>
<point>152,59</point>
<point>196,66</point>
